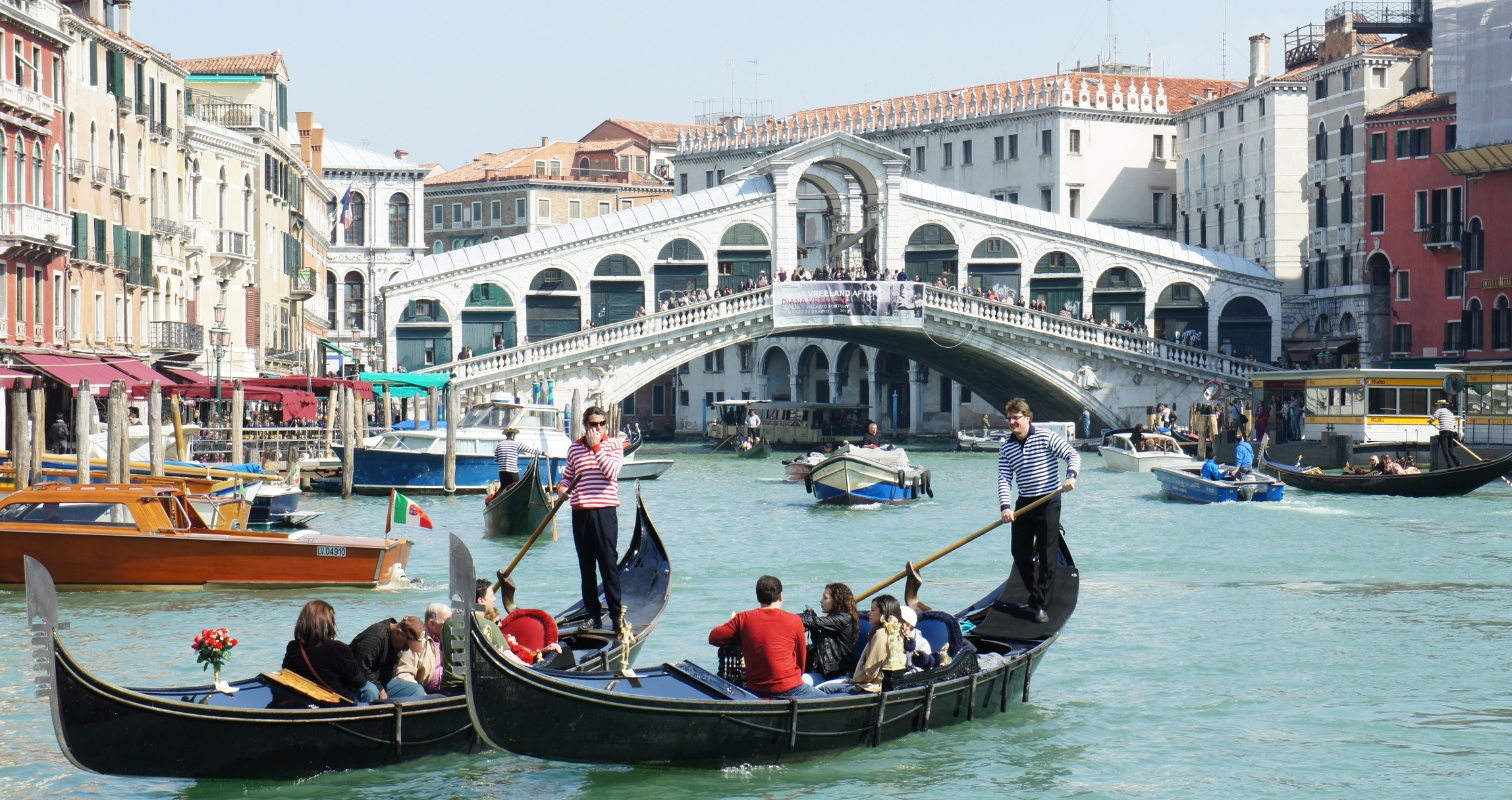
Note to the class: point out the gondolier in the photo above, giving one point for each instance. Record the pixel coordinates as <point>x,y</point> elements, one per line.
<point>1448,431</point>
<point>1027,461</point>
<point>595,462</point>
<point>507,456</point>
<point>753,425</point>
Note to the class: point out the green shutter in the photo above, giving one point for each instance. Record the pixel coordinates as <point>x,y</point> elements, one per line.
<point>99,241</point>
<point>147,272</point>
<point>94,63</point>
<point>81,235</point>
<point>141,74</point>
<point>118,236</point>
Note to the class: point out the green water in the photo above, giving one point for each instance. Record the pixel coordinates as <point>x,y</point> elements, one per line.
<point>1324,646</point>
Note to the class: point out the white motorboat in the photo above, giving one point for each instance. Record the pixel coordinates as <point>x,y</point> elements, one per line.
<point>1120,453</point>
<point>864,475</point>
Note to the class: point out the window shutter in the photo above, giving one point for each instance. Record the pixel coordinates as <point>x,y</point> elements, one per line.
<point>254,317</point>
<point>81,235</point>
<point>99,241</point>
<point>119,236</point>
<point>147,259</point>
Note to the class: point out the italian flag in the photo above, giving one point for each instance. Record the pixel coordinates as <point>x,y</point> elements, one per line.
<point>407,513</point>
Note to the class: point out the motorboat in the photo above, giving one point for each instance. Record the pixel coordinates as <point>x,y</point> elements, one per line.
<point>990,440</point>
<point>1187,483</point>
<point>144,535</point>
<point>1158,450</point>
<point>644,469</point>
<point>864,475</point>
<point>797,470</point>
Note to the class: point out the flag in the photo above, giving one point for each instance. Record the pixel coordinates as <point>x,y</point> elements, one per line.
<point>407,513</point>
<point>346,204</point>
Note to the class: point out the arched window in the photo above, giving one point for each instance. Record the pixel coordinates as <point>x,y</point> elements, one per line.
<point>1260,159</point>
<point>1474,323</point>
<point>743,235</point>
<point>1186,174</point>
<point>220,199</point>
<point>1056,262</point>
<point>1220,167</point>
<point>398,219</point>
<point>331,296</point>
<point>1241,163</point>
<point>94,145</point>
<point>57,195</point>
<point>1347,324</point>
<point>73,136</point>
<point>680,250</point>
<point>352,297</point>
<point>1203,170</point>
<point>1323,328</point>
<point>616,266</point>
<point>1346,137</point>
<point>39,176</point>
<point>246,204</point>
<point>1475,247</point>
<point>20,169</point>
<point>1260,219</point>
<point>438,247</point>
<point>141,169</point>
<point>1501,324</point>
<point>1320,144</point>
<point>194,191</point>
<point>1222,232</point>
<point>356,219</point>
<point>994,248</point>
<point>583,167</point>
<point>552,279</point>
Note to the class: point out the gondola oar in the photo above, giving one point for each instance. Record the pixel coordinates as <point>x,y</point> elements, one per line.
<point>506,586</point>
<point>958,545</point>
<point>723,443</point>
<point>1478,458</point>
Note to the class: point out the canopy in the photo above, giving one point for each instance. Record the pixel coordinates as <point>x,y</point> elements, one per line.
<point>295,404</point>
<point>137,369</point>
<point>320,386</point>
<point>183,375</point>
<point>8,378</point>
<point>71,369</point>
<point>407,384</point>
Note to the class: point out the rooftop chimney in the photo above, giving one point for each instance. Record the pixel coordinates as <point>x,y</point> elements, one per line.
<point>545,140</point>
<point>1210,93</point>
<point>402,155</point>
<point>304,122</point>
<point>123,18</point>
<point>1259,58</point>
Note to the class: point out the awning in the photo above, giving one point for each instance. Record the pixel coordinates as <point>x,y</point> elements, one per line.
<point>295,404</point>
<point>320,386</point>
<point>8,378</point>
<point>338,349</point>
<point>183,375</point>
<point>137,369</point>
<point>71,369</point>
<point>407,384</point>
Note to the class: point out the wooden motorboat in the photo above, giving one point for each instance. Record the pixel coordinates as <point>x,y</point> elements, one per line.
<point>798,469</point>
<point>1120,454</point>
<point>1187,483</point>
<point>151,536</point>
<point>198,733</point>
<point>864,475</point>
<point>518,509</point>
<point>1449,482</point>
<point>761,449</point>
<point>679,714</point>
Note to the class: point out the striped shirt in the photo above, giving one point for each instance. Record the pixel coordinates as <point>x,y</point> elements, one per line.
<point>599,468</point>
<point>1444,419</point>
<point>1031,464</point>
<point>507,455</point>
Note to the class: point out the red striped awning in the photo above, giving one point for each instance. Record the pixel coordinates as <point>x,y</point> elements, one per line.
<point>69,370</point>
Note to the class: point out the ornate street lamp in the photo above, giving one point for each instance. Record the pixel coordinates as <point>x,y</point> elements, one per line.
<point>219,339</point>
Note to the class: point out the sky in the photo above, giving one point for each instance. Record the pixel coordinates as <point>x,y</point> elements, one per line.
<point>448,81</point>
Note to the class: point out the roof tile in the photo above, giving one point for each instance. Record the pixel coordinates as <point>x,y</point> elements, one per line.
<point>254,64</point>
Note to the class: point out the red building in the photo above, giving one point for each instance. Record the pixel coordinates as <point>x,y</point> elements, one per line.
<point>35,231</point>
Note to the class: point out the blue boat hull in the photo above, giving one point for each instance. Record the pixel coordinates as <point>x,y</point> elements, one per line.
<point>848,480</point>
<point>875,493</point>
<point>378,471</point>
<point>1195,490</point>
<point>273,509</point>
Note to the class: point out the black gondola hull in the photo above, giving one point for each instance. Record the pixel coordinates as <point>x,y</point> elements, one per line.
<point>1437,483</point>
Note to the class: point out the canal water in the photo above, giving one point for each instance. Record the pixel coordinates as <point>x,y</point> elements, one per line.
<point>1325,646</point>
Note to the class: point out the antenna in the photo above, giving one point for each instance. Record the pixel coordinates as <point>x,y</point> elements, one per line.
<point>1109,48</point>
<point>730,65</point>
<point>1223,55</point>
<point>756,89</point>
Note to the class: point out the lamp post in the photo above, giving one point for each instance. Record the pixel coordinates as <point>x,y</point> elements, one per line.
<point>219,337</point>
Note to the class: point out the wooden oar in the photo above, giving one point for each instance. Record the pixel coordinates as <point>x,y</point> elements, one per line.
<point>958,545</point>
<point>1478,458</point>
<point>504,573</point>
<point>723,443</point>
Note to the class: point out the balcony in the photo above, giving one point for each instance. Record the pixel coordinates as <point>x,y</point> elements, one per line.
<point>234,115</point>
<point>1201,198</point>
<point>138,272</point>
<point>1259,184</point>
<point>1442,235</point>
<point>27,103</point>
<point>78,167</point>
<point>302,284</point>
<point>125,105</point>
<point>1319,171</point>
<point>160,130</point>
<point>100,175</point>
<point>177,337</point>
<point>118,181</point>
<point>1218,195</point>
<point>168,227</point>
<point>33,228</point>
<point>233,243</point>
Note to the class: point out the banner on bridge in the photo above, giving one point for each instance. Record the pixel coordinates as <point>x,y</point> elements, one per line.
<point>814,303</point>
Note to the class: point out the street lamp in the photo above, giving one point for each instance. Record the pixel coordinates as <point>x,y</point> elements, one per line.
<point>219,338</point>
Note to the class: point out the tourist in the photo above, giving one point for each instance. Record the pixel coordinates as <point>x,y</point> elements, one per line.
<point>1027,460</point>
<point>595,460</point>
<point>920,653</point>
<point>59,437</point>
<point>1375,465</point>
<point>1086,423</point>
<point>377,650</point>
<point>1137,437</point>
<point>1210,470</point>
<point>507,457</point>
<point>465,353</point>
<point>871,439</point>
<point>315,652</point>
<point>771,642</point>
<point>1389,466</point>
<point>453,668</point>
<point>641,311</point>
<point>1448,431</point>
<point>884,659</point>
<point>832,654</point>
<point>418,671</point>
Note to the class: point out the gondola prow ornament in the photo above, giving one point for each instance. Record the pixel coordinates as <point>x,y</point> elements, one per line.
<point>626,641</point>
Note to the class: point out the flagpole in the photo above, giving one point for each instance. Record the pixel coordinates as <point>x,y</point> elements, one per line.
<point>388,522</point>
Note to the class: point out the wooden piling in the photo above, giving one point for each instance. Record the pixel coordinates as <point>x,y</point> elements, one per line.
<point>181,448</point>
<point>155,427</point>
<point>333,404</point>
<point>432,407</point>
<point>238,410</point>
<point>385,413</point>
<point>38,430</point>
<point>348,443</point>
<point>20,446</point>
<point>450,471</point>
<point>83,426</point>
<point>115,430</point>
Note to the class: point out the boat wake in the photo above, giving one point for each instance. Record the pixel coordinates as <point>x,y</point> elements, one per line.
<point>750,770</point>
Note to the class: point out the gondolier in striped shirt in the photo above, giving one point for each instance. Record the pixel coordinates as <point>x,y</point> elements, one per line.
<point>1448,431</point>
<point>1027,461</point>
<point>507,456</point>
<point>595,460</point>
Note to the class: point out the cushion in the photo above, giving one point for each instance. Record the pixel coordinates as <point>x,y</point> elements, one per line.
<point>531,627</point>
<point>862,637</point>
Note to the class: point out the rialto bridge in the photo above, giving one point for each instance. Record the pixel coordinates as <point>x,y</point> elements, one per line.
<point>839,200</point>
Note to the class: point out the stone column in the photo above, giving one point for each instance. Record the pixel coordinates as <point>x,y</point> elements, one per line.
<point>795,385</point>
<point>878,391</point>
<point>761,385</point>
<point>834,384</point>
<point>955,404</point>
<point>916,377</point>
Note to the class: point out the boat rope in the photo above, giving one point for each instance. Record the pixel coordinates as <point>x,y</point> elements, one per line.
<point>414,742</point>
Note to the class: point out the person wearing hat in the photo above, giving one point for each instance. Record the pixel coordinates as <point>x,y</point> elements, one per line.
<point>1448,431</point>
<point>507,456</point>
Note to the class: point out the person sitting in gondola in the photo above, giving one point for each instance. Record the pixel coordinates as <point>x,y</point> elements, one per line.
<point>1375,465</point>
<point>884,659</point>
<point>418,672</point>
<point>377,650</point>
<point>1389,466</point>
<point>453,666</point>
<point>316,654</point>
<point>771,641</point>
<point>832,652</point>
<point>920,651</point>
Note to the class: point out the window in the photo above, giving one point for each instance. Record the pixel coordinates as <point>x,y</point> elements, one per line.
<point>543,208</point>
<point>1454,282</point>
<point>1346,205</point>
<point>477,211</point>
<point>574,209</point>
<point>496,210</point>
<point>399,220</point>
<point>1474,325</point>
<point>1451,137</point>
<point>1045,142</point>
<point>1076,203</point>
<point>1221,227</point>
<point>556,168</point>
<point>1422,211</point>
<point>74,304</point>
<point>1422,142</point>
<point>1345,263</point>
<point>1378,213</point>
<point>682,398</point>
<point>1451,336</point>
<point>1320,274</point>
<point>718,176</point>
<point>1346,137</point>
<point>1202,229</point>
<point>1379,74</point>
<point>626,204</point>
<point>1159,151</point>
<point>1044,199</point>
<point>1403,285</point>
<point>1186,229</point>
<point>1186,129</point>
<point>1501,324</point>
<point>1378,146</point>
<point>1239,164</point>
<point>1013,198</point>
<point>1320,208</point>
<point>714,362</point>
<point>1202,124</point>
<point>682,183</point>
<point>1202,172</point>
<point>1075,143</point>
<point>948,154</point>
<point>456,213</point>
<point>1220,120</point>
<point>1403,144</point>
<point>1239,218</point>
<point>437,213</point>
<point>709,179</point>
<point>997,148</point>
<point>1346,79</point>
<point>919,159</point>
<point>1320,143</point>
<point>430,352</point>
<point>640,164</point>
<point>627,406</point>
<point>604,207</point>
<point>519,211</point>
<point>1239,112</point>
<point>1320,88</point>
<point>1012,146</point>
<point>966,153</point>
<point>624,163</point>
<point>1401,339</point>
<point>1260,219</point>
<point>1157,203</point>
<point>1475,246</point>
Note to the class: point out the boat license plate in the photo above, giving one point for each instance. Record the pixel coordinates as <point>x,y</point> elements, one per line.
<point>327,550</point>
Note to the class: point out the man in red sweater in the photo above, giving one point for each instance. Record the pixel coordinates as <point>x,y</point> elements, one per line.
<point>595,461</point>
<point>772,642</point>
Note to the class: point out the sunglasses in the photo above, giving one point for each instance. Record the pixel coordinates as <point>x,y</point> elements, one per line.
<point>598,424</point>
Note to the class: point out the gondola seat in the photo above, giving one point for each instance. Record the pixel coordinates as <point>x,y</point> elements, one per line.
<point>940,629</point>
<point>533,630</point>
<point>863,635</point>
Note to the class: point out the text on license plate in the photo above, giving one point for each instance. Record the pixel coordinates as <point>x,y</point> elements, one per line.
<point>327,550</point>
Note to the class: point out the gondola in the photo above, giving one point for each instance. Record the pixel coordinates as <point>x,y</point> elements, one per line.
<point>517,511</point>
<point>761,449</point>
<point>198,733</point>
<point>679,714</point>
<point>1437,483</point>
<point>633,440</point>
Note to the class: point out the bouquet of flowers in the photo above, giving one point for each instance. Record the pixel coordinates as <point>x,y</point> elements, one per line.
<point>214,650</point>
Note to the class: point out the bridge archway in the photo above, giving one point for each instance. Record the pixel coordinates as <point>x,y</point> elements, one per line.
<point>423,335</point>
<point>1181,307</point>
<point>745,252</point>
<point>1119,296</point>
<point>488,319</point>
<point>813,375</point>
<point>777,371</point>
<point>616,292</point>
<point>1244,329</point>
<point>553,307</point>
<point>1057,282</point>
<point>931,253</point>
<point>995,265</point>
<point>680,268</point>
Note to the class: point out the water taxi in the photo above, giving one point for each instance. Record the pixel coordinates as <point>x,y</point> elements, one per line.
<point>990,440</point>
<point>864,475</point>
<point>1187,483</point>
<point>784,423</point>
<point>1389,406</point>
<point>1121,455</point>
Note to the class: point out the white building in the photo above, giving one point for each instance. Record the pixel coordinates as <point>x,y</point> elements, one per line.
<point>1242,161</point>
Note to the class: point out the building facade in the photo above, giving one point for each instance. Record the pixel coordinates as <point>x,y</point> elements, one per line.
<point>659,139</point>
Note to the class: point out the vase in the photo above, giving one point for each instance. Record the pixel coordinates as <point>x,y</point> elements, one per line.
<point>220,685</point>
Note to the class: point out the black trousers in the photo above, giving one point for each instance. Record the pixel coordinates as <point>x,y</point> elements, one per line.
<point>1037,534</point>
<point>1446,440</point>
<point>508,479</point>
<point>595,531</point>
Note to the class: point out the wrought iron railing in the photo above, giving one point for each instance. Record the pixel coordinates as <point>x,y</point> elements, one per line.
<point>78,166</point>
<point>101,175</point>
<point>1442,234</point>
<point>179,337</point>
<point>302,282</point>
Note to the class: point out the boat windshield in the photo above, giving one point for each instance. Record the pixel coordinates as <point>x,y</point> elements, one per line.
<point>395,441</point>
<point>116,515</point>
<point>505,416</point>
